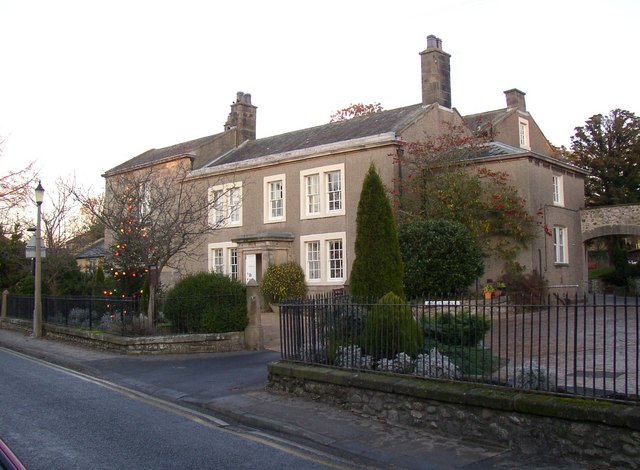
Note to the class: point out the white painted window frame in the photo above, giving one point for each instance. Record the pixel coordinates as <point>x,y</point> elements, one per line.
<point>227,210</point>
<point>558,190</point>
<point>523,133</point>
<point>560,247</point>
<point>323,183</point>
<point>267,209</point>
<point>226,248</point>
<point>324,240</point>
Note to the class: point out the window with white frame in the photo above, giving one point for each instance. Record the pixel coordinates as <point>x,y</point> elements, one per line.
<point>226,205</point>
<point>560,245</point>
<point>334,191</point>
<point>558,190</point>
<point>324,257</point>
<point>233,263</point>
<point>145,198</point>
<point>274,199</point>
<point>223,259</point>
<point>523,131</point>
<point>322,194</point>
<point>313,260</point>
<point>336,259</point>
<point>312,194</point>
<point>218,260</point>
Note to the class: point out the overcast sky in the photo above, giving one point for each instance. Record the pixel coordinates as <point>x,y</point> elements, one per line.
<point>86,85</point>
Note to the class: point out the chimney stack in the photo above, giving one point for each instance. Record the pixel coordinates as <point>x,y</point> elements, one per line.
<point>243,118</point>
<point>436,73</point>
<point>515,99</point>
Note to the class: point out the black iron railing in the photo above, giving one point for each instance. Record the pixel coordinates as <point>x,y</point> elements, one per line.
<point>585,346</point>
<point>127,316</point>
<point>115,315</point>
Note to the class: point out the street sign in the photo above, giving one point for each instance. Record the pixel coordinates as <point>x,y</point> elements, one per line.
<point>31,248</point>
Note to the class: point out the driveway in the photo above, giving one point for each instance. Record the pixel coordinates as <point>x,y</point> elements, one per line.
<point>591,347</point>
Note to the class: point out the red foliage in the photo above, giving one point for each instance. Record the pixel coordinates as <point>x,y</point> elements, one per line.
<point>355,110</point>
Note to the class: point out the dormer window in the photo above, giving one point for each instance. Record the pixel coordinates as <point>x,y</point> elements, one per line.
<point>523,130</point>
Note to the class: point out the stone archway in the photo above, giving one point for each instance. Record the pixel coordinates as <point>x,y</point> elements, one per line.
<point>604,221</point>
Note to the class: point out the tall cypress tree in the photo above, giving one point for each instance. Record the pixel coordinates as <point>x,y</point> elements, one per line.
<point>377,268</point>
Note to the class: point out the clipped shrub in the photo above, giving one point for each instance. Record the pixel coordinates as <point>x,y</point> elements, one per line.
<point>391,329</point>
<point>345,319</point>
<point>206,303</point>
<point>440,257</point>
<point>283,281</point>
<point>377,267</point>
<point>456,329</point>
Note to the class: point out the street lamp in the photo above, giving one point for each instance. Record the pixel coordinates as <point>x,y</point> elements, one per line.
<point>37,311</point>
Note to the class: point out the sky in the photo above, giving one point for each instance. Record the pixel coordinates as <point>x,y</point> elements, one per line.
<point>86,85</point>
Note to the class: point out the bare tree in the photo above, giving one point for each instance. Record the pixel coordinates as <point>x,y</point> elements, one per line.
<point>61,216</point>
<point>153,217</point>
<point>15,189</point>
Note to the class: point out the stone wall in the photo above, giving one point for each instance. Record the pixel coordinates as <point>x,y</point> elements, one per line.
<point>165,344</point>
<point>610,220</point>
<point>585,431</point>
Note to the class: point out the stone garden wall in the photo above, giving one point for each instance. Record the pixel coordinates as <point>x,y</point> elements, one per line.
<point>585,431</point>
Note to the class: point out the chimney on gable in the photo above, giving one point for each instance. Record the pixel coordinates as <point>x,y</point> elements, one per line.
<point>243,118</point>
<point>515,99</point>
<point>436,73</point>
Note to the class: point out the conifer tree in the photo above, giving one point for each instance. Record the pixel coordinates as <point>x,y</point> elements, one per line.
<point>377,267</point>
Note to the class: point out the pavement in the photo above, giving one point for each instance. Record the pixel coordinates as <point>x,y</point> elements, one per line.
<point>232,386</point>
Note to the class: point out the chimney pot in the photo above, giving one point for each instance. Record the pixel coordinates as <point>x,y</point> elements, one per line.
<point>243,118</point>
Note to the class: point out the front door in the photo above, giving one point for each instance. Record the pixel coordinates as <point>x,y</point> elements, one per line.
<point>250,268</point>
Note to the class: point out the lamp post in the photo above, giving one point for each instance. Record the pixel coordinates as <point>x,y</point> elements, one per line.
<point>37,310</point>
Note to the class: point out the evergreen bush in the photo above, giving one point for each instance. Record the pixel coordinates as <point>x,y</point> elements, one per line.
<point>377,267</point>
<point>283,281</point>
<point>440,257</point>
<point>622,269</point>
<point>206,303</point>
<point>456,329</point>
<point>391,329</point>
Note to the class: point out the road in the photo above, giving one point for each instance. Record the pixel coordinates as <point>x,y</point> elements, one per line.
<point>53,417</point>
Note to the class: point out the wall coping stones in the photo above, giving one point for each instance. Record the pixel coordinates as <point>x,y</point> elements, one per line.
<point>161,344</point>
<point>473,394</point>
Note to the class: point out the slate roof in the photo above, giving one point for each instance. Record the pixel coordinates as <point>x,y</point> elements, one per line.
<point>495,149</point>
<point>394,120</point>
<point>482,121</point>
<point>93,250</point>
<point>157,155</point>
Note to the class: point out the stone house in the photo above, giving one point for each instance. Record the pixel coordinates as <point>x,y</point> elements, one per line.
<point>294,196</point>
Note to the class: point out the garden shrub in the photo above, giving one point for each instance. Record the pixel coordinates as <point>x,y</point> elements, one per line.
<point>206,303</point>
<point>345,319</point>
<point>622,269</point>
<point>283,281</point>
<point>377,267</point>
<point>526,287</point>
<point>391,329</point>
<point>440,257</point>
<point>456,329</point>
